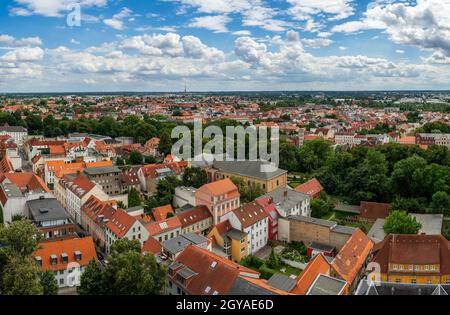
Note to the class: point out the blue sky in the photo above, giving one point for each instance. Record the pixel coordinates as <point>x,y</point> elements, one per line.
<point>156,45</point>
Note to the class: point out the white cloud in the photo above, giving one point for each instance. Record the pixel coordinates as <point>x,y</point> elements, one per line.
<point>116,22</point>
<point>242,33</point>
<point>399,51</point>
<point>51,8</point>
<point>215,23</point>
<point>335,9</point>
<point>23,54</point>
<point>12,41</point>
<point>424,24</point>
<point>317,42</point>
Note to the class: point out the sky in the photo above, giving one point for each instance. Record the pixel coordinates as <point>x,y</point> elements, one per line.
<point>223,45</point>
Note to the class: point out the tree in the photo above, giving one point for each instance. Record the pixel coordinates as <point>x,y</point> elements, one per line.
<point>313,154</point>
<point>248,192</point>
<point>124,245</point>
<point>131,273</point>
<point>21,276</point>
<point>440,203</point>
<point>274,260</point>
<point>288,157</point>
<point>134,199</point>
<point>320,207</point>
<point>135,157</point>
<point>400,222</point>
<point>166,189</point>
<point>91,280</point>
<point>195,177</point>
<point>402,176</point>
<point>20,238</point>
<point>49,283</point>
<point>165,143</point>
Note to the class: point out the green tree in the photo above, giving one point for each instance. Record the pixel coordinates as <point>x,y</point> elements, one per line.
<point>402,176</point>
<point>91,281</point>
<point>135,158</point>
<point>165,143</point>
<point>274,260</point>
<point>131,273</point>
<point>124,245</point>
<point>400,222</point>
<point>248,192</point>
<point>20,238</point>
<point>288,157</point>
<point>320,207</point>
<point>166,189</point>
<point>49,283</point>
<point>195,177</point>
<point>21,276</point>
<point>313,154</point>
<point>440,203</point>
<point>134,199</point>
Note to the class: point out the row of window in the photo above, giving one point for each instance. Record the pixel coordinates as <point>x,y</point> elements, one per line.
<point>415,268</point>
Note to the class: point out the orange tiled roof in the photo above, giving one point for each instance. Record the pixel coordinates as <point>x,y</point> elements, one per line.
<point>352,256</point>
<point>151,246</point>
<point>194,215</point>
<point>120,222</point>
<point>315,267</point>
<point>68,246</point>
<point>156,228</point>
<point>57,149</point>
<point>311,187</point>
<point>220,187</point>
<point>160,213</point>
<point>6,165</point>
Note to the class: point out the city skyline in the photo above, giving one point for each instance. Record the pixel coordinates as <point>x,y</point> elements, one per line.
<point>234,45</point>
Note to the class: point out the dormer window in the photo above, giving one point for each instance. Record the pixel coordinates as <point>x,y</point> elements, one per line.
<point>53,259</point>
<point>64,258</point>
<point>38,260</point>
<point>77,255</point>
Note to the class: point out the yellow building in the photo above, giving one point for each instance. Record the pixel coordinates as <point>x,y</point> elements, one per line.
<point>251,172</point>
<point>234,243</point>
<point>417,259</point>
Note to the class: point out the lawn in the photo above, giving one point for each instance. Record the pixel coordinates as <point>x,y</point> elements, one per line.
<point>340,217</point>
<point>260,265</point>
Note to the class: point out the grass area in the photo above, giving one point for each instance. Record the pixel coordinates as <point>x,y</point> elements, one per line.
<point>340,217</point>
<point>262,267</point>
<point>294,184</point>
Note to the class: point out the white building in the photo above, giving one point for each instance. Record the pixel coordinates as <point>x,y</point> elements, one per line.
<point>18,133</point>
<point>184,196</point>
<point>253,220</point>
<point>291,202</point>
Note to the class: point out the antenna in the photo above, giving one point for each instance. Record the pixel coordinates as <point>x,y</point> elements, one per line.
<point>185,86</point>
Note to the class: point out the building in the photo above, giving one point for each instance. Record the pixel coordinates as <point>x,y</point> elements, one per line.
<point>18,133</point>
<point>290,202</point>
<point>66,258</point>
<point>220,197</point>
<point>229,242</point>
<point>174,247</point>
<point>371,211</point>
<point>415,259</point>
<point>164,230</point>
<point>273,215</point>
<point>150,175</point>
<point>252,220</point>
<point>184,196</point>
<point>367,287</point>
<point>162,213</point>
<point>307,230</point>
<point>251,172</point>
<point>107,177</point>
<point>429,139</point>
<point>351,261</point>
<point>16,189</point>
<point>313,188</point>
<point>51,218</point>
<point>196,220</point>
<point>197,271</point>
<point>78,190</point>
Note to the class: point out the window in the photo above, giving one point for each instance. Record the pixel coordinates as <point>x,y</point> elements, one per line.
<point>398,280</point>
<point>61,281</point>
<point>413,281</point>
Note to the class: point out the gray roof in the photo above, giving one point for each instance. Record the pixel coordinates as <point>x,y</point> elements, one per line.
<point>316,221</point>
<point>179,243</point>
<point>236,234</point>
<point>248,168</point>
<point>366,287</point>
<point>287,198</point>
<point>282,282</point>
<point>344,229</point>
<point>13,129</point>
<point>102,170</point>
<point>243,287</point>
<point>376,232</point>
<point>431,223</point>
<point>325,285</point>
<point>46,209</point>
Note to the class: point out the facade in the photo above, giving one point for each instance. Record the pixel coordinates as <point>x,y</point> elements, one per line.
<point>196,220</point>
<point>150,175</point>
<point>18,133</point>
<point>433,139</point>
<point>220,197</point>
<point>273,215</point>
<point>107,177</point>
<point>252,220</point>
<point>251,172</point>
<point>290,202</point>
<point>230,242</point>
<point>66,258</point>
<point>51,218</point>
<point>414,259</point>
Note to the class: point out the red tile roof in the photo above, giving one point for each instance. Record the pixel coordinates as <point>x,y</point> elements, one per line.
<point>352,256</point>
<point>160,213</point>
<point>374,210</point>
<point>311,187</point>
<point>220,187</point>
<point>194,215</point>
<point>68,246</point>
<point>210,271</point>
<point>250,214</point>
<point>318,265</point>
<point>157,228</point>
<point>151,246</point>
